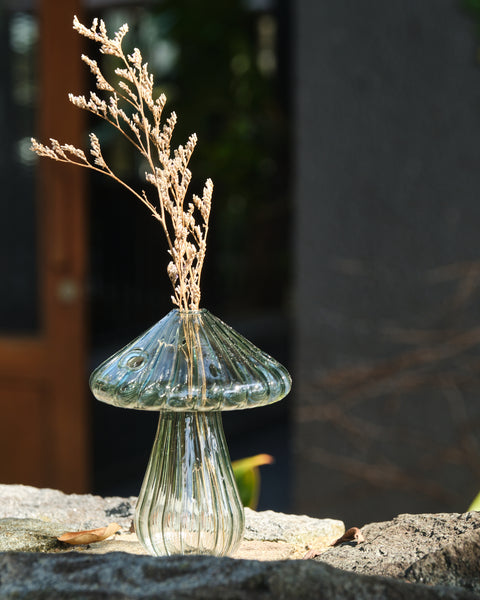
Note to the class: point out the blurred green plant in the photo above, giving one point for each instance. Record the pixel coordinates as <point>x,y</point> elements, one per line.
<point>475,505</point>
<point>472,8</point>
<point>228,55</point>
<point>221,66</point>
<point>247,476</point>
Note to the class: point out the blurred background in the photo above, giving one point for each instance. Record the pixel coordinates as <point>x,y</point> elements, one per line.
<point>342,141</point>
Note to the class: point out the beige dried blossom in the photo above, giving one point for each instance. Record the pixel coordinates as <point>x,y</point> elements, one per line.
<point>131,108</point>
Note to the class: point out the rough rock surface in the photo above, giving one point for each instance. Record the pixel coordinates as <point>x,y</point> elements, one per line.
<point>432,549</point>
<point>268,535</point>
<point>396,559</point>
<point>274,527</point>
<point>74,510</point>
<point>121,576</point>
<point>29,535</point>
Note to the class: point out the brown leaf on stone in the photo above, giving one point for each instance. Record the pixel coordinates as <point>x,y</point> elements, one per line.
<point>351,535</point>
<point>78,538</point>
<point>312,553</point>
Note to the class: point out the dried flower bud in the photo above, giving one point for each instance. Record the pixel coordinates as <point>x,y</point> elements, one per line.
<point>172,272</point>
<point>131,109</point>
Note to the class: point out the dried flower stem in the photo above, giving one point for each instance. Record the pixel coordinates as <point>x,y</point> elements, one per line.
<point>131,109</point>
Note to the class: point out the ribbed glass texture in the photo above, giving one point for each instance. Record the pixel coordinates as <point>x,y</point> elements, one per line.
<point>189,501</point>
<point>190,366</point>
<point>190,361</point>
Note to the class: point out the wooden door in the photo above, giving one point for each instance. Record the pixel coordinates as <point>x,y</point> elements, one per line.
<point>43,379</point>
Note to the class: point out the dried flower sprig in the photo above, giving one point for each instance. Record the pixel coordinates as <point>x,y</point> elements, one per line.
<point>131,108</point>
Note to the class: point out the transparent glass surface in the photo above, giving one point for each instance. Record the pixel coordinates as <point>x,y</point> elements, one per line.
<point>189,502</point>
<point>190,361</point>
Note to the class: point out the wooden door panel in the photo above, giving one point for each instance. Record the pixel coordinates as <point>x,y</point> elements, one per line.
<point>44,437</point>
<point>25,440</point>
<point>22,359</point>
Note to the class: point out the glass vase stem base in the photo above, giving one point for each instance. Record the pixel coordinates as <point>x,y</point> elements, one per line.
<point>189,501</point>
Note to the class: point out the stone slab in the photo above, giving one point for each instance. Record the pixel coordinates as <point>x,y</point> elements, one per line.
<point>411,557</point>
<point>433,549</point>
<point>84,511</point>
<point>29,535</point>
<point>119,576</point>
<point>43,514</point>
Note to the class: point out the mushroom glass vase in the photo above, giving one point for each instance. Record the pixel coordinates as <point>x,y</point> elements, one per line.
<point>190,366</point>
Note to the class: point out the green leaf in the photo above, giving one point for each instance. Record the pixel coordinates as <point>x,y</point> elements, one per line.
<point>475,505</point>
<point>247,476</point>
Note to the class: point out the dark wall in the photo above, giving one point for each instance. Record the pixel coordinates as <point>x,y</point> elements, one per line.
<point>387,265</point>
<point>18,212</point>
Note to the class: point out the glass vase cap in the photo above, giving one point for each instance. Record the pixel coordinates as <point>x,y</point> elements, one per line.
<point>190,360</point>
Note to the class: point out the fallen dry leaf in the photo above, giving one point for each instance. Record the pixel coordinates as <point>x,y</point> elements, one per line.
<point>312,553</point>
<point>78,538</point>
<point>351,535</point>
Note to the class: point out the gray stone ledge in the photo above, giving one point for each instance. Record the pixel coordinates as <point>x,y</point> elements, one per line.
<point>268,535</point>
<point>411,557</point>
<point>121,576</point>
